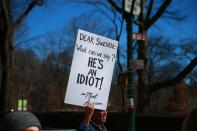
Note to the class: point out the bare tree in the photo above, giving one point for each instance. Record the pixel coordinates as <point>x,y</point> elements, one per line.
<point>8,25</point>
<point>145,20</point>
<point>166,59</point>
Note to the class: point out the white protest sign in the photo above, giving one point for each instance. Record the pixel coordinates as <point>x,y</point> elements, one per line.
<point>91,70</point>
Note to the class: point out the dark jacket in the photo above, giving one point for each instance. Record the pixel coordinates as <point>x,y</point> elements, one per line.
<point>92,127</point>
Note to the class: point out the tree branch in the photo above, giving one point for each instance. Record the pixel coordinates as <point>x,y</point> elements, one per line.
<point>150,7</point>
<point>24,15</point>
<point>157,15</point>
<point>158,85</point>
<point>30,39</point>
<point>5,10</point>
<point>115,6</point>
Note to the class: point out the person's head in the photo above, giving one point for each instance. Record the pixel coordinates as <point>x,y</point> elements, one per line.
<point>20,121</point>
<point>99,116</point>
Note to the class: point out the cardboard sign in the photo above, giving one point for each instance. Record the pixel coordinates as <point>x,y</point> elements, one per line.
<point>91,70</point>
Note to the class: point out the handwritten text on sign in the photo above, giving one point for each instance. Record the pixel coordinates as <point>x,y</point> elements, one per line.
<point>91,71</point>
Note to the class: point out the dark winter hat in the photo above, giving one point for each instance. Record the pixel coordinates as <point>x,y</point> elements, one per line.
<point>19,120</point>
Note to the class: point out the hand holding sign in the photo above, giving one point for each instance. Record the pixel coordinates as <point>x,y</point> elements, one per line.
<point>91,71</point>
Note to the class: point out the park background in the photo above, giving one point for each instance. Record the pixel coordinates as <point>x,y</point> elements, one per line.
<point>44,44</point>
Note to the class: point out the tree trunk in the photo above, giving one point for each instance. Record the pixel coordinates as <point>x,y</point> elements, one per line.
<point>7,28</point>
<point>143,80</point>
<point>7,65</point>
<point>1,62</point>
<point>6,55</point>
<point>142,75</point>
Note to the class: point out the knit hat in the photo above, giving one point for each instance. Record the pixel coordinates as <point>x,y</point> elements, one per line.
<point>19,120</point>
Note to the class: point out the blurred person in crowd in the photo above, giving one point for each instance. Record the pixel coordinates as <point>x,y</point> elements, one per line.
<point>20,121</point>
<point>94,119</point>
